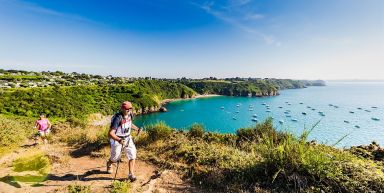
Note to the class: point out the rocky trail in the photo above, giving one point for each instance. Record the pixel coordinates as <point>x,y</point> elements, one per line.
<point>68,169</point>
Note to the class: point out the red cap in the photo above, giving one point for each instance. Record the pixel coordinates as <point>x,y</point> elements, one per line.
<point>126,105</point>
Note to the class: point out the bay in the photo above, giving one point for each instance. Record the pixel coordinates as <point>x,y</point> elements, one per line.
<point>341,108</point>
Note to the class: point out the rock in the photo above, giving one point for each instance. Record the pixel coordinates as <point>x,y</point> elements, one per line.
<point>163,109</point>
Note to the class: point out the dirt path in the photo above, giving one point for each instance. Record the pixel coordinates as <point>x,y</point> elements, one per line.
<point>88,171</point>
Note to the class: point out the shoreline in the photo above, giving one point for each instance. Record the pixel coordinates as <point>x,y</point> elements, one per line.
<point>165,101</point>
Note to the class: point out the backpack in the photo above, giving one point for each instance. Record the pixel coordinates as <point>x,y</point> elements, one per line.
<point>119,115</point>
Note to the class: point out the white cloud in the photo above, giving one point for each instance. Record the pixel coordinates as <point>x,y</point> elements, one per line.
<point>254,16</point>
<point>45,11</point>
<point>237,20</point>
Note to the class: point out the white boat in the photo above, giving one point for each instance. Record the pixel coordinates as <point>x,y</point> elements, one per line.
<point>304,113</point>
<point>237,111</point>
<point>268,111</point>
<point>345,121</point>
<point>221,107</point>
<point>375,119</point>
<point>254,119</point>
<point>294,120</point>
<point>351,112</point>
<point>281,121</point>
<point>234,118</point>
<point>280,107</point>
<point>254,115</point>
<point>356,126</point>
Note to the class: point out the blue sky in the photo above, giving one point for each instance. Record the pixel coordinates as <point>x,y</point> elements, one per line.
<point>299,39</point>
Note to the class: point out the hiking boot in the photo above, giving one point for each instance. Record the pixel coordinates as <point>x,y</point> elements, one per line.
<point>109,167</point>
<point>132,178</point>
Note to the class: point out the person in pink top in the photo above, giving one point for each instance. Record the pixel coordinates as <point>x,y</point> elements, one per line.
<point>44,127</point>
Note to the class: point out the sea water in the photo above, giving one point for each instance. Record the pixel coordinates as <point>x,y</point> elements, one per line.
<point>342,110</point>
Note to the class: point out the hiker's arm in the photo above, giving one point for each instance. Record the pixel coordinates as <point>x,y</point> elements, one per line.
<point>49,124</point>
<point>112,134</point>
<point>134,127</point>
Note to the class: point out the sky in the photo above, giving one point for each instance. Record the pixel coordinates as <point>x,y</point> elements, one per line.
<point>297,39</point>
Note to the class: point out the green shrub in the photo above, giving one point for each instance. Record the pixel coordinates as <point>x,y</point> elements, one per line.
<point>159,131</point>
<point>37,162</point>
<point>196,130</point>
<point>269,161</point>
<point>255,133</point>
<point>78,189</point>
<point>14,130</point>
<point>120,187</point>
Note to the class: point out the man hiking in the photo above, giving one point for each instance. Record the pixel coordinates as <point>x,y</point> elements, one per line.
<point>44,127</point>
<point>120,137</point>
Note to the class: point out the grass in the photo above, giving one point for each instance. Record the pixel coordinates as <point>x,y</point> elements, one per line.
<point>159,131</point>
<point>32,167</point>
<point>74,188</point>
<point>258,158</point>
<point>196,130</point>
<point>262,158</point>
<point>14,130</point>
<point>120,187</point>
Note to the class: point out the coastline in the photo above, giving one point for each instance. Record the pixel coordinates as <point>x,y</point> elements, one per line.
<point>165,101</point>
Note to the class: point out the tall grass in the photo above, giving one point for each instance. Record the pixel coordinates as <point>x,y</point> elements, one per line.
<point>263,158</point>
<point>159,131</point>
<point>14,130</point>
<point>196,130</point>
<point>75,188</point>
<point>120,187</point>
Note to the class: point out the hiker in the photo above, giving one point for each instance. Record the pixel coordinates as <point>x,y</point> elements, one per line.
<point>44,127</point>
<point>120,136</point>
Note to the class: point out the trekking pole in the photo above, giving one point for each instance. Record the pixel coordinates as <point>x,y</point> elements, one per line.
<point>121,154</point>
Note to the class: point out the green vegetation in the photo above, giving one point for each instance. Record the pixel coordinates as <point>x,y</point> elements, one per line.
<point>30,168</point>
<point>263,159</point>
<point>21,77</point>
<point>38,162</point>
<point>257,88</point>
<point>80,101</point>
<point>14,130</point>
<point>159,131</point>
<point>196,130</point>
<point>120,187</point>
<point>78,189</point>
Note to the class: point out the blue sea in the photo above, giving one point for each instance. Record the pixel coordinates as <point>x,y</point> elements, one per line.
<point>354,110</point>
